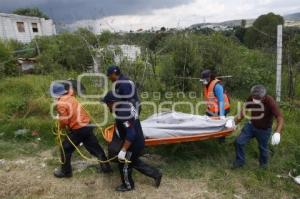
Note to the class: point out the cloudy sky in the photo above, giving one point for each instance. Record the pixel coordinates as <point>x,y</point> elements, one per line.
<point>135,14</point>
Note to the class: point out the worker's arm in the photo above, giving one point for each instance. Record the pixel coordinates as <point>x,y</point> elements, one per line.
<point>279,124</point>
<point>126,145</point>
<point>219,92</point>
<point>129,138</point>
<point>63,113</point>
<point>240,115</point>
<point>130,135</point>
<point>126,89</point>
<point>279,117</point>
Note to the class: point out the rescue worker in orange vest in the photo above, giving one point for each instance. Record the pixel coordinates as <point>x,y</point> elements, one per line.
<point>71,85</point>
<point>73,117</point>
<point>217,100</point>
<point>218,104</point>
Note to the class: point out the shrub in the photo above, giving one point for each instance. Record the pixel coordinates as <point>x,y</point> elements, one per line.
<point>188,55</point>
<point>8,64</point>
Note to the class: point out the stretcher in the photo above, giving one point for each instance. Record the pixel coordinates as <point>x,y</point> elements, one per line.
<point>109,132</point>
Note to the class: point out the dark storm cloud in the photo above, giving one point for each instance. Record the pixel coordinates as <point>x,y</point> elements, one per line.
<point>72,10</point>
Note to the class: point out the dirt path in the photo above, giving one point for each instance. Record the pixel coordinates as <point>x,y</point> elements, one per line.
<point>31,177</point>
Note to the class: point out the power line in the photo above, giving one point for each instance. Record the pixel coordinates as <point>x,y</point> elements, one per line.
<point>266,34</point>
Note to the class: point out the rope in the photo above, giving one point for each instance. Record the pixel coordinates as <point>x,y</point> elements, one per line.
<point>58,139</point>
<point>92,119</point>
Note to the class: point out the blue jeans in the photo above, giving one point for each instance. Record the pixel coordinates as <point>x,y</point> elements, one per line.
<point>262,136</point>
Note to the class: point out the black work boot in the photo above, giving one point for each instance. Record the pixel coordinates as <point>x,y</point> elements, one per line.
<point>158,180</point>
<point>59,173</point>
<point>123,188</point>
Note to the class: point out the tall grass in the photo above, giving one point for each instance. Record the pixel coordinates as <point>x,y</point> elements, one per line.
<point>25,104</point>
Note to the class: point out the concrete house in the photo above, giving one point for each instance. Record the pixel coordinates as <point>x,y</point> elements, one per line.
<point>24,28</point>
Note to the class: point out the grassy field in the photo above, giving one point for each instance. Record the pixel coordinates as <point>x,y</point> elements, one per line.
<point>188,168</point>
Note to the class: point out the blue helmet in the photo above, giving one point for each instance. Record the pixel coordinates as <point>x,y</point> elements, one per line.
<point>206,74</point>
<point>113,69</point>
<point>58,89</point>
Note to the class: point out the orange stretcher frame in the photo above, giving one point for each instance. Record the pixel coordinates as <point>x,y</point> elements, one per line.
<point>109,131</point>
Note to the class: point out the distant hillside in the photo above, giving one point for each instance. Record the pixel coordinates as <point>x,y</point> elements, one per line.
<point>293,17</point>
<point>230,23</point>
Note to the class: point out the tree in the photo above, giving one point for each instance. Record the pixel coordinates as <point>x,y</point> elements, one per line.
<point>186,55</point>
<point>105,38</point>
<point>88,36</point>
<point>7,61</point>
<point>153,45</point>
<point>33,12</point>
<point>239,32</point>
<point>263,32</point>
<point>163,29</point>
<point>291,56</point>
<point>243,23</point>
<point>182,62</point>
<point>67,51</point>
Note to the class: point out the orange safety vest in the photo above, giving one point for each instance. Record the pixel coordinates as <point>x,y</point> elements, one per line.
<point>212,100</point>
<point>71,112</point>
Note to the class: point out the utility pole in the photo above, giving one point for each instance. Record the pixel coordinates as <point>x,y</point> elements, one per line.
<point>279,62</point>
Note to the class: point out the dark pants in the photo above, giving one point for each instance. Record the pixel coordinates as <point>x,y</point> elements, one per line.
<point>90,142</point>
<point>210,114</point>
<point>248,132</point>
<point>136,163</point>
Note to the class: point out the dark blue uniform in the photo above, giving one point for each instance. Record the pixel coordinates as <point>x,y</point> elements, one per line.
<point>126,89</point>
<point>129,128</point>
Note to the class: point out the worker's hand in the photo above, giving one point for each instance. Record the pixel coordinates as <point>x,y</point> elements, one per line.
<point>122,154</point>
<point>56,117</point>
<point>230,124</point>
<point>275,138</point>
<point>236,120</point>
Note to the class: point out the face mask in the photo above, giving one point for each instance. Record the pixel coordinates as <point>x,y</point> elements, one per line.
<point>256,101</point>
<point>204,81</point>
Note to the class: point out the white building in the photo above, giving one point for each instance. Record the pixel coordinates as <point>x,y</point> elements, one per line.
<point>130,52</point>
<point>24,28</point>
<point>121,52</point>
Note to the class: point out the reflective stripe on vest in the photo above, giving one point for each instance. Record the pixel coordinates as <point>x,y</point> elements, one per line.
<point>212,100</point>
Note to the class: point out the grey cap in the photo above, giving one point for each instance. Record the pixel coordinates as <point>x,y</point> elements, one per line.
<point>258,91</point>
